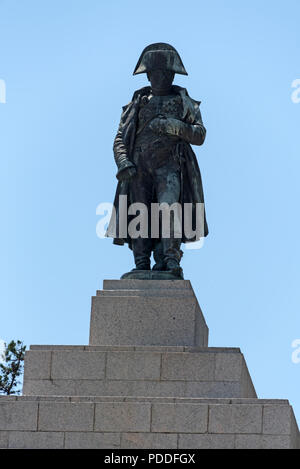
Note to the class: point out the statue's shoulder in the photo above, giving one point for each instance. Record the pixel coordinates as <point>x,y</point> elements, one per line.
<point>183,92</point>
<point>136,95</point>
<point>190,105</point>
<point>145,91</point>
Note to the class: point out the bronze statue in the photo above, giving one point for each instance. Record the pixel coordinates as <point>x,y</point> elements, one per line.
<point>155,161</point>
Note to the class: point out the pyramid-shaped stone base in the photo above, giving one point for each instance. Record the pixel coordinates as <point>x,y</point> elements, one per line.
<point>146,380</point>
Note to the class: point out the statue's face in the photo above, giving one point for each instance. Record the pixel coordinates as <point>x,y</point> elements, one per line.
<point>161,79</point>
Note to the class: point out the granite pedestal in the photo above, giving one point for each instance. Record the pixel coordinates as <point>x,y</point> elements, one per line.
<point>147,379</point>
<point>147,312</point>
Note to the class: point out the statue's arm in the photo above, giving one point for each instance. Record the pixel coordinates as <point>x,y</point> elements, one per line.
<point>121,155</point>
<point>193,133</point>
<point>190,130</point>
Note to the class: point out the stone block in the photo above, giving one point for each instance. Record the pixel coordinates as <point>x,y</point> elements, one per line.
<point>277,419</point>
<point>211,389</point>
<point>179,418</point>
<point>92,440</point>
<point>133,365</point>
<point>37,364</point>
<point>295,434</point>
<point>228,366</point>
<point>142,321</point>
<point>246,382</point>
<point>3,440</point>
<point>44,387</point>
<point>188,366</point>
<point>134,284</point>
<point>149,440</point>
<point>66,416</point>
<point>205,441</point>
<point>262,442</point>
<point>16,415</point>
<point>232,418</point>
<point>77,365</point>
<point>140,318</point>
<point>36,440</point>
<point>158,388</point>
<point>122,417</point>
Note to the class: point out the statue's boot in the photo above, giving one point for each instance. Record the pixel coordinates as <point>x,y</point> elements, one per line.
<point>172,255</point>
<point>142,252</point>
<point>158,256</point>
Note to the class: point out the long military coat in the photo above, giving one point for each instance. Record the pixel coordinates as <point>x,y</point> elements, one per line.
<point>191,182</point>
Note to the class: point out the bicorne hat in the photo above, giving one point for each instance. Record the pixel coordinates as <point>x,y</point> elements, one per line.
<point>159,56</point>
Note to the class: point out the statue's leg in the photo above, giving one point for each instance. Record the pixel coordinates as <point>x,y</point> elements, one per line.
<point>142,252</point>
<point>158,256</point>
<point>167,182</point>
<point>171,253</point>
<point>141,192</point>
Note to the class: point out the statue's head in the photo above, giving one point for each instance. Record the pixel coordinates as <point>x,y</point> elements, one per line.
<point>160,61</point>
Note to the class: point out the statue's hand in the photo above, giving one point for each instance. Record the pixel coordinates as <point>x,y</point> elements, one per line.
<point>166,126</point>
<point>127,174</point>
<point>157,125</point>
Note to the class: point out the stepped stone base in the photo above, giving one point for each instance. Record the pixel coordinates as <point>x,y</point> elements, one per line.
<point>146,380</point>
<point>136,371</point>
<point>120,422</point>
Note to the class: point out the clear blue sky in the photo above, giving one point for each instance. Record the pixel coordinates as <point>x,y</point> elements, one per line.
<point>68,68</point>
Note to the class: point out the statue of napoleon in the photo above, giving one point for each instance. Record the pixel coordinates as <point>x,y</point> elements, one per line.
<point>157,166</point>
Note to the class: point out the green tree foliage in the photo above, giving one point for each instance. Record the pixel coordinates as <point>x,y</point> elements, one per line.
<point>12,367</point>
